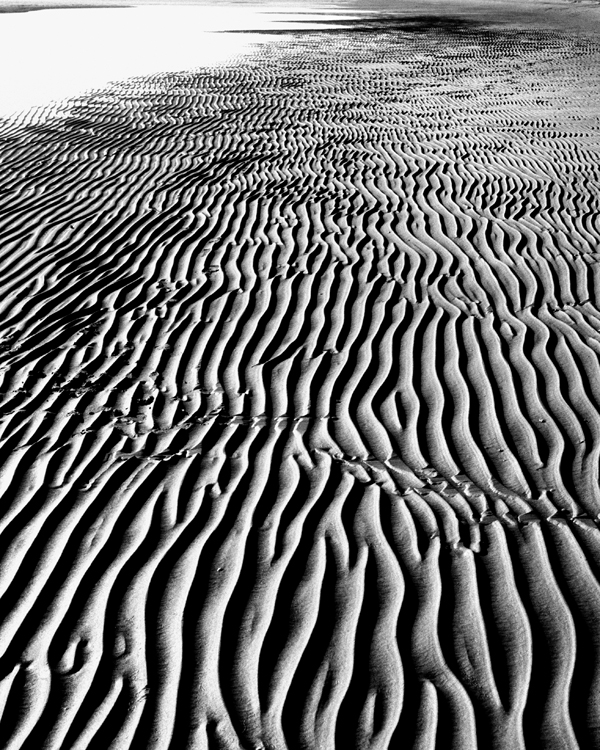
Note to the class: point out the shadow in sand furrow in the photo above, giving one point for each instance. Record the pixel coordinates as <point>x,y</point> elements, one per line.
<point>298,727</point>
<point>505,468</point>
<point>362,338</point>
<point>435,399</point>
<point>455,718</point>
<point>372,705</point>
<point>31,576</point>
<point>546,719</point>
<point>466,643</point>
<point>378,371</point>
<point>408,729</point>
<point>552,387</point>
<point>65,679</point>
<point>420,373</point>
<point>581,646</point>
<point>580,434</point>
<point>527,444</point>
<point>167,575</point>
<point>452,415</point>
<point>106,666</point>
<point>310,501</point>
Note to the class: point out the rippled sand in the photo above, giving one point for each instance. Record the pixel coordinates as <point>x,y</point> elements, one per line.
<point>300,399</point>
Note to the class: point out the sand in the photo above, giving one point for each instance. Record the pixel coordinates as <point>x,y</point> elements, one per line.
<point>300,399</point>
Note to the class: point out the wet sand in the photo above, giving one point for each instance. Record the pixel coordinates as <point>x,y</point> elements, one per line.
<point>300,399</point>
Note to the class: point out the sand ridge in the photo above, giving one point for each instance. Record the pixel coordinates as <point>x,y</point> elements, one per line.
<point>300,396</point>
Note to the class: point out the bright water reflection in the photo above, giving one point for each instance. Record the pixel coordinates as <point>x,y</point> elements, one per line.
<point>48,55</point>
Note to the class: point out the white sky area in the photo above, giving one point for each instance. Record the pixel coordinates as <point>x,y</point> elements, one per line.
<point>49,55</point>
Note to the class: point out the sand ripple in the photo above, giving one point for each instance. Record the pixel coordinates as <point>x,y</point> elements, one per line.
<point>300,401</point>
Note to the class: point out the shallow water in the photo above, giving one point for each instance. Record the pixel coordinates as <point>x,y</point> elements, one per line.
<point>52,54</point>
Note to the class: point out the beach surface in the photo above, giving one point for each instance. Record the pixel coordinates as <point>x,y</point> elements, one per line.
<point>300,396</point>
